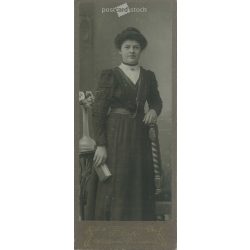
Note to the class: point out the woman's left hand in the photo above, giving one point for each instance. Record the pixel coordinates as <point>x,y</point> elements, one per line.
<point>150,117</point>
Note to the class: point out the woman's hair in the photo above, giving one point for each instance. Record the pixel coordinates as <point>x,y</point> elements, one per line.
<point>130,33</point>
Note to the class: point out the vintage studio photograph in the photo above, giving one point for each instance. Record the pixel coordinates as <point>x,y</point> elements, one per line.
<point>125,111</point>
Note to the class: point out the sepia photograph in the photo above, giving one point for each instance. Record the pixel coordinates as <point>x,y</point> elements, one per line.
<point>125,115</point>
<point>93,132</point>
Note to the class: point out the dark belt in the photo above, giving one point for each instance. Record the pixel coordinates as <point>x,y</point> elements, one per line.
<point>121,111</point>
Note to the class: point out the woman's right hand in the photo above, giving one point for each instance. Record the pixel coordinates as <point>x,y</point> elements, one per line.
<point>100,156</point>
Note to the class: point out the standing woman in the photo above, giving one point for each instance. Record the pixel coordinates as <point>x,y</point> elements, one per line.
<point>121,134</point>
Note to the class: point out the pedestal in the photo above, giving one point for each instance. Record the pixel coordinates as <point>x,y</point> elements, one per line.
<point>86,144</point>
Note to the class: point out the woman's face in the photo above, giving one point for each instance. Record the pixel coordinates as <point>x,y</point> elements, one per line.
<point>130,51</point>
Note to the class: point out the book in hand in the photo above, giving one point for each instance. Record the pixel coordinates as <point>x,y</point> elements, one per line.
<point>103,172</point>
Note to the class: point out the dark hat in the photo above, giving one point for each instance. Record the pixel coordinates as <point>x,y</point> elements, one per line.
<point>130,33</point>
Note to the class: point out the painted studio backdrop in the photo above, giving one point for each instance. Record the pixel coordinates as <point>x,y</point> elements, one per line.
<point>97,24</point>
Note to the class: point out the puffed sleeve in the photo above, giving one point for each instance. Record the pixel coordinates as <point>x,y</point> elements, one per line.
<point>103,95</point>
<point>153,97</point>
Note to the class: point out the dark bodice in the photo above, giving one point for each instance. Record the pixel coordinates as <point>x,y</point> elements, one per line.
<point>116,90</point>
<point>125,91</point>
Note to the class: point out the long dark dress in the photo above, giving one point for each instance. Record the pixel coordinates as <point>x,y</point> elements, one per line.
<point>129,193</point>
